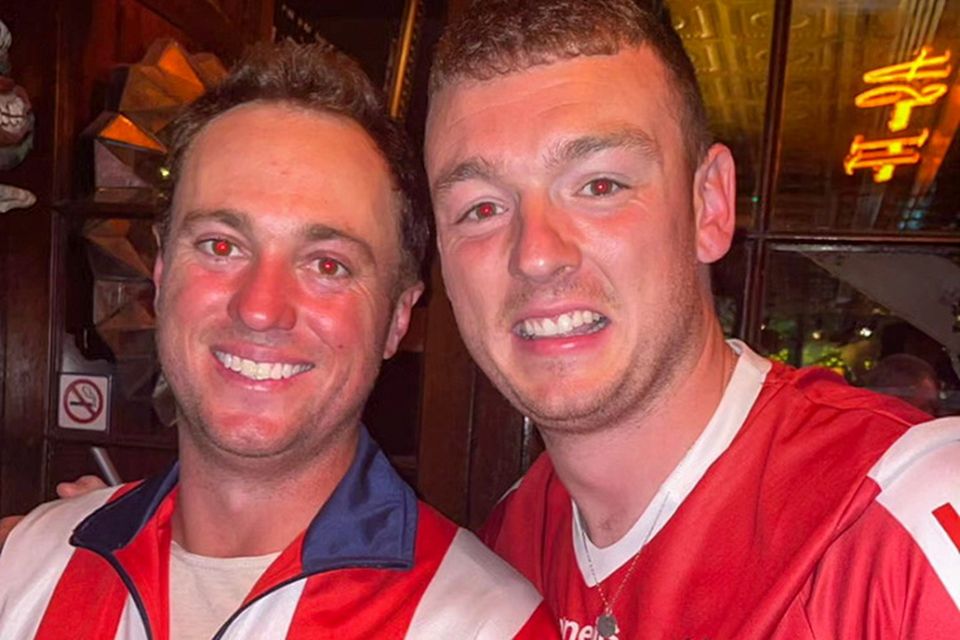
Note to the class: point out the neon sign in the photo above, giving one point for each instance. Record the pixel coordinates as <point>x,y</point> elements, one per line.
<point>903,87</point>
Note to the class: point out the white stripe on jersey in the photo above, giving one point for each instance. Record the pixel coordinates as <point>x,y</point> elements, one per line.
<point>33,559</point>
<point>917,475</point>
<point>474,594</point>
<point>269,617</point>
<point>131,624</point>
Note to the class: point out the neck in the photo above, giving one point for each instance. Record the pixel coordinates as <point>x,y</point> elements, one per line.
<point>613,473</point>
<point>229,511</point>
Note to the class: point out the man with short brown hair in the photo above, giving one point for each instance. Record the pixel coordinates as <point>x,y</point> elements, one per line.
<point>288,268</point>
<point>690,488</point>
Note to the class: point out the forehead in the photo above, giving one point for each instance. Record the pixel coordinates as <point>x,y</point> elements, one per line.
<point>275,161</point>
<point>522,112</point>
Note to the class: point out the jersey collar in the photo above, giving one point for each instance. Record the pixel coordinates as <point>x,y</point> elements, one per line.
<point>738,398</point>
<point>370,520</point>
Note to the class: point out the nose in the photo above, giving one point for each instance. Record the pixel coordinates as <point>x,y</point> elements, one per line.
<point>544,243</point>
<point>265,297</point>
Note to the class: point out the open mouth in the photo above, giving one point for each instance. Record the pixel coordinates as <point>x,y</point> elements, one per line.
<point>255,370</point>
<point>573,323</point>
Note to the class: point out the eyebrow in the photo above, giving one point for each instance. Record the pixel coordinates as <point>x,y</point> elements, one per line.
<point>475,168</point>
<point>242,222</point>
<point>478,168</point>
<point>578,148</point>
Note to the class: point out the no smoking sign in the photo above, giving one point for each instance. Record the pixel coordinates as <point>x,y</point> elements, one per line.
<point>84,402</point>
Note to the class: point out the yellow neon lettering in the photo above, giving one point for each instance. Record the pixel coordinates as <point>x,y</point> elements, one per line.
<point>903,97</point>
<point>920,68</point>
<point>882,156</point>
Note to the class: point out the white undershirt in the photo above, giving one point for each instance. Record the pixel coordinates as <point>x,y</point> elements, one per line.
<point>738,398</point>
<point>205,591</point>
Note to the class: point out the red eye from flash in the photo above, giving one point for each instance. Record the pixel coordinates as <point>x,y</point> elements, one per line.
<point>329,266</point>
<point>601,187</point>
<point>485,210</point>
<point>222,248</point>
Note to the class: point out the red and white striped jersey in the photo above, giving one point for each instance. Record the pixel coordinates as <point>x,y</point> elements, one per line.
<point>806,509</point>
<point>374,563</point>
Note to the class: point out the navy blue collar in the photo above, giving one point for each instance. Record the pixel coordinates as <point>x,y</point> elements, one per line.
<point>370,520</point>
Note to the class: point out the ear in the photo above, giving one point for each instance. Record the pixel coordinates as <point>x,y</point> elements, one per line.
<point>715,203</point>
<point>157,267</point>
<point>400,321</point>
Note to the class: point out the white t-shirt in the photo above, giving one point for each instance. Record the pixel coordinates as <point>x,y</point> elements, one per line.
<point>205,591</point>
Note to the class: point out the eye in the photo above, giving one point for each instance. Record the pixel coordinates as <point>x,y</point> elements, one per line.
<point>219,247</point>
<point>601,187</point>
<point>331,268</point>
<point>481,211</point>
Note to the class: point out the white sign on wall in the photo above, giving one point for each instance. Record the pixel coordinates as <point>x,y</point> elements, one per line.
<point>84,402</point>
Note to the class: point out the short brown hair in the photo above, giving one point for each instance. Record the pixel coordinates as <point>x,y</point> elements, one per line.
<point>500,37</point>
<point>317,77</point>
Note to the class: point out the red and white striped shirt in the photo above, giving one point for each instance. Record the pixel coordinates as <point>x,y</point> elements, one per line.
<point>374,563</point>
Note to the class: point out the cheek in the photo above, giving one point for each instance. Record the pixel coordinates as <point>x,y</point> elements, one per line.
<point>473,272</point>
<point>345,321</point>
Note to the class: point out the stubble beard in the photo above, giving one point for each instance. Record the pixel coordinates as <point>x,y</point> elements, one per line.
<point>663,353</point>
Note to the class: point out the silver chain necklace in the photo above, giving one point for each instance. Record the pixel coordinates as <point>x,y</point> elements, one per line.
<point>607,625</point>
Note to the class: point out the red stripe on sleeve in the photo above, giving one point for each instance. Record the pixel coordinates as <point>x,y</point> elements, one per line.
<point>947,516</point>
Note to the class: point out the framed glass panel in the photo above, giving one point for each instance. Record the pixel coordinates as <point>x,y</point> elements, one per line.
<point>729,43</point>
<point>851,308</point>
<point>871,109</point>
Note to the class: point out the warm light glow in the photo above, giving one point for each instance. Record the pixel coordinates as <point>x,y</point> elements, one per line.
<point>904,87</point>
<point>920,68</point>
<point>903,97</point>
<point>883,155</point>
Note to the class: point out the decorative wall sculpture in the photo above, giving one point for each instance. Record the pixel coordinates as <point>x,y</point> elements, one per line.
<point>129,139</point>
<point>129,145</point>
<point>16,127</point>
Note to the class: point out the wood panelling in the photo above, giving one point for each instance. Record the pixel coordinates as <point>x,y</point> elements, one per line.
<point>443,456</point>
<point>25,251</point>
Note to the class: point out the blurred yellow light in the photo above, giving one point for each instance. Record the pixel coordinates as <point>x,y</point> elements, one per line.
<point>883,155</point>
<point>920,68</point>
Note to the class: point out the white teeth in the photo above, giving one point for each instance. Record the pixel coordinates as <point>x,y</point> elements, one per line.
<point>261,370</point>
<point>549,327</point>
<point>562,324</point>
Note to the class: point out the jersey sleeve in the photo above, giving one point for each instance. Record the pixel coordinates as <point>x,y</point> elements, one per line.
<point>895,573</point>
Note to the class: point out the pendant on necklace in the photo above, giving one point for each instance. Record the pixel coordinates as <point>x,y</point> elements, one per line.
<point>607,625</point>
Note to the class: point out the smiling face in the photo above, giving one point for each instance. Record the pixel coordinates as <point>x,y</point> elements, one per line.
<point>573,233</point>
<point>277,283</point>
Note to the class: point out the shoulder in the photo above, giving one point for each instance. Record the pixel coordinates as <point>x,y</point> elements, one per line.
<point>50,525</point>
<point>919,482</point>
<point>473,593</point>
<point>820,390</point>
<point>36,554</point>
<point>814,413</point>
<point>526,504</point>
